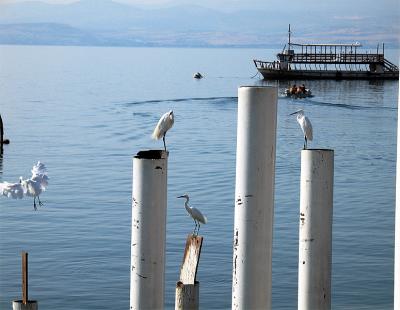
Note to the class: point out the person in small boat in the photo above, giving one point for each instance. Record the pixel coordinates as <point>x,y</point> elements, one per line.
<point>302,89</point>
<point>293,89</point>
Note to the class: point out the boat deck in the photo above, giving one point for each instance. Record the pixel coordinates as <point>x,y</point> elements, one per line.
<point>328,61</point>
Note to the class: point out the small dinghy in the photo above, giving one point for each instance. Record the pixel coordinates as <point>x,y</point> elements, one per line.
<point>298,92</point>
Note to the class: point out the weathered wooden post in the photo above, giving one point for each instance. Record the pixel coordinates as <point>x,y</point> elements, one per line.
<point>25,303</point>
<point>149,211</point>
<point>315,229</point>
<point>2,139</point>
<point>397,219</point>
<point>254,197</point>
<point>1,135</point>
<point>187,288</point>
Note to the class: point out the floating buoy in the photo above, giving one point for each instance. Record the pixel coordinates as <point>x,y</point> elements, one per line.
<point>197,75</point>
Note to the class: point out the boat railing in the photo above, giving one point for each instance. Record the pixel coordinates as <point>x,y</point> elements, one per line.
<point>390,66</point>
<point>337,58</point>
<point>304,60</point>
<point>272,65</point>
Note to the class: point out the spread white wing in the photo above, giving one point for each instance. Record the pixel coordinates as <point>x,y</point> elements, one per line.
<point>12,190</point>
<point>39,177</point>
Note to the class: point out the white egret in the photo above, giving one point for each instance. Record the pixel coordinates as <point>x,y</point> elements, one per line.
<point>197,216</point>
<point>164,124</point>
<point>305,125</point>
<point>37,184</point>
<point>32,187</point>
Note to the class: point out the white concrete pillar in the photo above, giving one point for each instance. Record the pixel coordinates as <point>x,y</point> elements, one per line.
<point>149,210</point>
<point>315,233</point>
<point>397,218</point>
<point>254,197</point>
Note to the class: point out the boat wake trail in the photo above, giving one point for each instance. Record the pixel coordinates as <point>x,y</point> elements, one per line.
<point>179,100</point>
<point>347,106</point>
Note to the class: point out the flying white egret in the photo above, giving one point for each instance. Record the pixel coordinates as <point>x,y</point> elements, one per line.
<point>164,124</point>
<point>197,216</point>
<point>305,126</point>
<point>32,187</point>
<point>37,183</point>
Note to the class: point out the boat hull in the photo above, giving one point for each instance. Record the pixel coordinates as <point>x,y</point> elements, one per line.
<point>273,74</point>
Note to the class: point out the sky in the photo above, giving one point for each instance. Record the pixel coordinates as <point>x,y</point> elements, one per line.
<point>250,21</point>
<point>228,5</point>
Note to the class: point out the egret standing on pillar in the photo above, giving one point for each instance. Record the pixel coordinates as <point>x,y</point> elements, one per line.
<point>305,125</point>
<point>164,124</point>
<point>196,215</point>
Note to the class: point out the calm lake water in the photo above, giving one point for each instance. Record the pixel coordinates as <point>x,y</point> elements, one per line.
<point>85,111</point>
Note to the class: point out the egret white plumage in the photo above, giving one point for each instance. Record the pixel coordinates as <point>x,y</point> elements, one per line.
<point>196,215</point>
<point>305,125</point>
<point>37,183</point>
<point>32,187</point>
<point>164,124</point>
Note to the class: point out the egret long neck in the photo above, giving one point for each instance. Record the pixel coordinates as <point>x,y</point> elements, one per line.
<point>187,207</point>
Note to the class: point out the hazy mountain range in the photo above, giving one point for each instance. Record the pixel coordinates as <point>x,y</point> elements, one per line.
<point>103,23</point>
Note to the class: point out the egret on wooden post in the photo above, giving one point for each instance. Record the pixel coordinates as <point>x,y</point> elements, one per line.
<point>305,125</point>
<point>32,187</point>
<point>196,215</point>
<point>164,124</point>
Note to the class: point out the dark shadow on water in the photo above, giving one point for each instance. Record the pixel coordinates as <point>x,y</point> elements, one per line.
<point>341,93</point>
<point>327,86</point>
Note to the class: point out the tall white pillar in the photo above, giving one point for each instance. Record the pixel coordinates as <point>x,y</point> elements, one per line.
<point>254,197</point>
<point>315,233</point>
<point>149,210</point>
<point>397,218</point>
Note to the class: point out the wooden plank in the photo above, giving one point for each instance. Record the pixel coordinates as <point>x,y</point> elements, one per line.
<point>24,277</point>
<point>191,259</point>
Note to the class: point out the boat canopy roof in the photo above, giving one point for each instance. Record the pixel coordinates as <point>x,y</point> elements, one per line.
<point>357,44</point>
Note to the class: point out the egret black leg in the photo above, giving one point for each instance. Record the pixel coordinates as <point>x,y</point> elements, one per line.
<point>198,230</point>
<point>305,142</point>
<point>165,147</point>
<point>40,203</point>
<point>34,204</point>
<point>195,226</point>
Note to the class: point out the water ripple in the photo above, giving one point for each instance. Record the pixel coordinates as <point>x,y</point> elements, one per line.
<point>347,106</point>
<point>178,100</point>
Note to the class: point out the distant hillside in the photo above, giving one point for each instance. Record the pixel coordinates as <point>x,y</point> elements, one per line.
<point>45,33</point>
<point>103,22</point>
